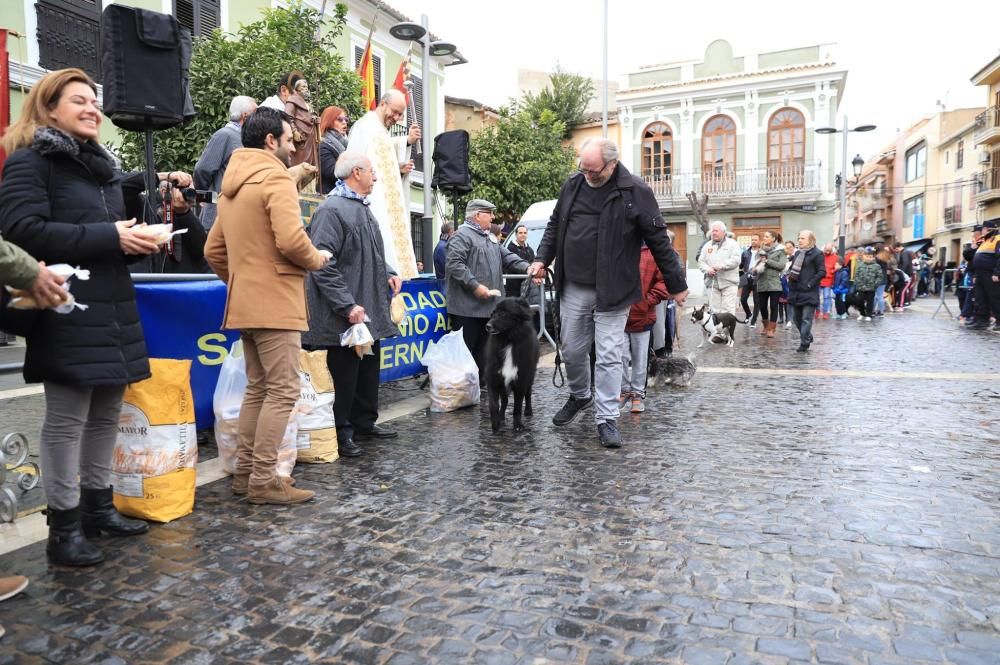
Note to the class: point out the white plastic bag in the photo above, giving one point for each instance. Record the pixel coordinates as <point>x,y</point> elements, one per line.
<point>359,337</point>
<point>21,300</point>
<point>227,401</point>
<point>454,374</point>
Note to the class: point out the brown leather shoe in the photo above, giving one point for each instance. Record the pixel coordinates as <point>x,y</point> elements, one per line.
<point>11,586</point>
<point>241,482</point>
<point>277,491</point>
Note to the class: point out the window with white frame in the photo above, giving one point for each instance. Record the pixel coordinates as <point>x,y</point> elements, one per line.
<point>916,162</point>
<point>201,17</point>
<point>912,208</point>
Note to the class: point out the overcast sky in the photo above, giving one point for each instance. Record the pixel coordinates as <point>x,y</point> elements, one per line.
<point>898,68</point>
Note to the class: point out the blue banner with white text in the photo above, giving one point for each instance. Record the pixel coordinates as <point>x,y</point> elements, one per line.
<point>181,320</point>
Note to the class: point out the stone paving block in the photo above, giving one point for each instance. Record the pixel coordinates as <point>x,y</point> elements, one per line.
<point>816,541</point>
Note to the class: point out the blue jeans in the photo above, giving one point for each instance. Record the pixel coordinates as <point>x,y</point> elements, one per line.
<point>803,317</point>
<point>880,299</point>
<point>826,293</point>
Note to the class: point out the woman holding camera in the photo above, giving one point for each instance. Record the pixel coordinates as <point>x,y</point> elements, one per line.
<point>61,200</point>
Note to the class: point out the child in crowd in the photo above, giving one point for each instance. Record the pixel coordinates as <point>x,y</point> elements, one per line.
<point>640,322</point>
<point>841,287</point>
<point>867,277</point>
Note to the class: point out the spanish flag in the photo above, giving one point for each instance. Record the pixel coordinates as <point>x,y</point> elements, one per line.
<point>367,73</point>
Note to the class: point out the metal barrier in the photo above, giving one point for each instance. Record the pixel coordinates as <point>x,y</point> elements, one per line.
<point>943,291</point>
<point>23,474</point>
<point>540,308</point>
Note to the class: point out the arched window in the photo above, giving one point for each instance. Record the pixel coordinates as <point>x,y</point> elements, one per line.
<point>657,152</point>
<point>718,150</point>
<point>786,149</point>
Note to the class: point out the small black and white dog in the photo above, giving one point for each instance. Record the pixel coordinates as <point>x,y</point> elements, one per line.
<point>511,360</point>
<point>718,328</point>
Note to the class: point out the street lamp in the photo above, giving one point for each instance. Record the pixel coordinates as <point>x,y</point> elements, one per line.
<point>415,32</point>
<point>842,246</point>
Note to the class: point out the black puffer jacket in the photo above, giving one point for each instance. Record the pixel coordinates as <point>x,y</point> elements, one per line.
<point>56,207</point>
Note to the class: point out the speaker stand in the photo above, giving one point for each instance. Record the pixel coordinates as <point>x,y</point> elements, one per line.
<point>152,185</point>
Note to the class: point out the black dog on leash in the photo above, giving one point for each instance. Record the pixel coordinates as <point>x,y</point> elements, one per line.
<point>511,360</point>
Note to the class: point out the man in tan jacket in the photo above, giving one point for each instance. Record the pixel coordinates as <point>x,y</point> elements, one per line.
<point>260,249</point>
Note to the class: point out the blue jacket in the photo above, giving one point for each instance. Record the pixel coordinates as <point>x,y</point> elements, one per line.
<point>842,281</point>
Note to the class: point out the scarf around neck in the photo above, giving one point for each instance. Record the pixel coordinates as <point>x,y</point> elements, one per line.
<point>797,262</point>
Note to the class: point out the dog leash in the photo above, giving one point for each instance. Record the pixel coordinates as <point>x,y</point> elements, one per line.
<point>557,371</point>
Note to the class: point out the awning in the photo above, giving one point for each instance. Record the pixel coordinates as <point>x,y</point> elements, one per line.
<point>918,246</point>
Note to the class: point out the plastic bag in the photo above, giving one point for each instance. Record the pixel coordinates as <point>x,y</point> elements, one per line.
<point>397,309</point>
<point>360,338</point>
<point>227,401</point>
<point>317,439</point>
<point>21,300</point>
<point>153,469</point>
<point>453,371</point>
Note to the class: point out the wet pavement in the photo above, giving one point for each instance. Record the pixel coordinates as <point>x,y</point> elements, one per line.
<point>780,515</point>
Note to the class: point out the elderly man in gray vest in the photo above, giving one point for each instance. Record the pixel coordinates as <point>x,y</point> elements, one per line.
<point>474,269</point>
<point>719,261</point>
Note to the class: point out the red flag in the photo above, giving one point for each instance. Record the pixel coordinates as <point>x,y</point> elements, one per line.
<point>367,73</point>
<point>400,82</point>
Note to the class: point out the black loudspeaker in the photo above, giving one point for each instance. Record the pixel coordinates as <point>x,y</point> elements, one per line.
<point>145,57</point>
<point>451,162</point>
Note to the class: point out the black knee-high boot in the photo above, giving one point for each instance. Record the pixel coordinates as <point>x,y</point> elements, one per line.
<point>68,546</point>
<point>99,516</point>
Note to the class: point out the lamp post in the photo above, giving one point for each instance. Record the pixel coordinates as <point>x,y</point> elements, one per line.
<point>842,245</point>
<point>416,33</point>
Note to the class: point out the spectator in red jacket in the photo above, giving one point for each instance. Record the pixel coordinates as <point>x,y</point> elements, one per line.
<point>641,318</point>
<point>830,258</point>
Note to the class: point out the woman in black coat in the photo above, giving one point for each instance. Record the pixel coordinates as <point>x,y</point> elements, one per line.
<point>61,200</point>
<point>806,270</point>
<point>333,130</point>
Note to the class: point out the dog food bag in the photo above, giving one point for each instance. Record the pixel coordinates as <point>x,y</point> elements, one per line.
<point>317,432</point>
<point>454,374</point>
<point>154,464</point>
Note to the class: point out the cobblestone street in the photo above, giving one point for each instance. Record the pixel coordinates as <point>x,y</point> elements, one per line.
<point>839,506</point>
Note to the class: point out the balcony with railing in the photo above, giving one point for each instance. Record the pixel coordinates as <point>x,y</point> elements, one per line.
<point>988,188</point>
<point>987,127</point>
<point>953,215</point>
<point>784,182</point>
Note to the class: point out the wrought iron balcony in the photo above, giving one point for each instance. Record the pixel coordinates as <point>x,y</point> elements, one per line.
<point>988,188</point>
<point>736,184</point>
<point>987,127</point>
<point>69,36</point>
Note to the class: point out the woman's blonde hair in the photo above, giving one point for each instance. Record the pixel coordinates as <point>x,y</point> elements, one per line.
<point>40,101</point>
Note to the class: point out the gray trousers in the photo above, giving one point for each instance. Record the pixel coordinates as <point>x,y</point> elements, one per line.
<point>581,324</point>
<point>78,440</point>
<point>635,357</point>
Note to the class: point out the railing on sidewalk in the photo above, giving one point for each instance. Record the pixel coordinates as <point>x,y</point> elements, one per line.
<point>16,470</point>
<point>944,304</point>
<point>545,291</point>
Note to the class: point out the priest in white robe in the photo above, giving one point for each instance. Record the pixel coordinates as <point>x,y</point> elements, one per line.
<point>390,197</point>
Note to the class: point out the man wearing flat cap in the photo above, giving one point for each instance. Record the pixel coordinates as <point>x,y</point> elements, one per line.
<point>474,270</point>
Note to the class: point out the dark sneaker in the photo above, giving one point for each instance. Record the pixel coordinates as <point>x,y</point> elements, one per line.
<point>609,435</point>
<point>570,410</point>
<point>802,348</point>
<point>978,326</point>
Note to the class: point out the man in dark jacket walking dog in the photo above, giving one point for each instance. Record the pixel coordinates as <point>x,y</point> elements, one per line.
<point>594,236</point>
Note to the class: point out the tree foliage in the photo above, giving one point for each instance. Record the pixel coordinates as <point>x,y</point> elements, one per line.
<point>250,63</point>
<point>520,160</point>
<point>567,97</point>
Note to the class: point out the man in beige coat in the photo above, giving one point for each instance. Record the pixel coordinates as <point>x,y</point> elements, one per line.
<point>260,249</point>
